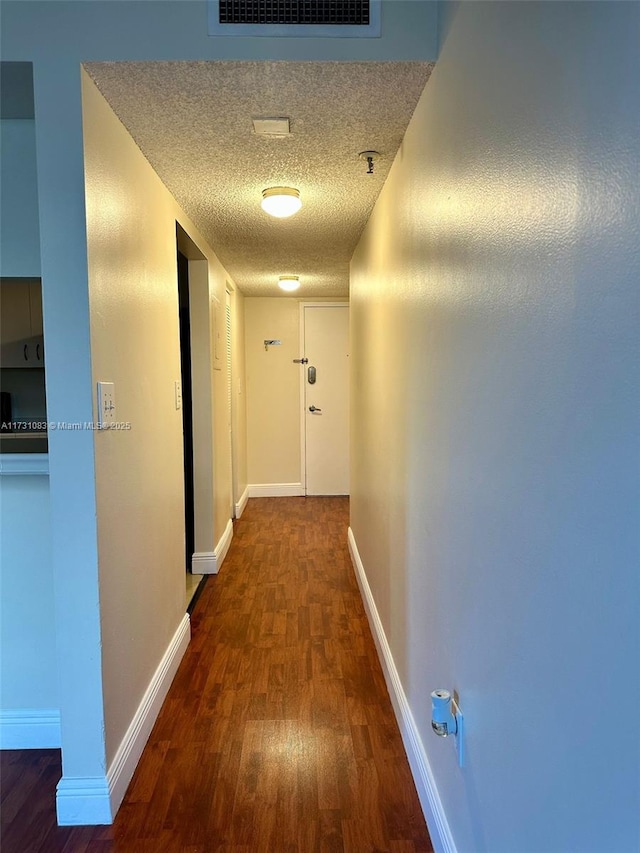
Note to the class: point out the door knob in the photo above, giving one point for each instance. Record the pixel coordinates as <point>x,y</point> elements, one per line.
<point>314,409</point>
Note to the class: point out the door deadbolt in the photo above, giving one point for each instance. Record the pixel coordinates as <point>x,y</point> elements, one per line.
<point>311,375</point>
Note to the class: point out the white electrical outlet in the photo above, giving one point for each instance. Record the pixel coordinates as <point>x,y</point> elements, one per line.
<point>178,393</point>
<point>106,404</point>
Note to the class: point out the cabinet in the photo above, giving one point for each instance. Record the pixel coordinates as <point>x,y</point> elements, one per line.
<point>20,309</point>
<point>21,339</point>
<point>15,310</point>
<point>35,307</point>
<point>25,353</point>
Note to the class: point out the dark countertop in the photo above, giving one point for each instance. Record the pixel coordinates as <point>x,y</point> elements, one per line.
<point>23,442</point>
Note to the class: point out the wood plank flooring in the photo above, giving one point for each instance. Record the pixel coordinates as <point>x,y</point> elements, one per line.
<point>277,734</point>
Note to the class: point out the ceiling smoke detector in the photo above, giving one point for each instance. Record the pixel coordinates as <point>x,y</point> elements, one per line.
<point>274,127</point>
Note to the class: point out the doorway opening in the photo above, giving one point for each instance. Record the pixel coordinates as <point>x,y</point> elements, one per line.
<point>187,407</point>
<point>201,356</point>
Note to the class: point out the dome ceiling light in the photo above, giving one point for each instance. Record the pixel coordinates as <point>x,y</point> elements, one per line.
<point>281,201</point>
<point>289,282</point>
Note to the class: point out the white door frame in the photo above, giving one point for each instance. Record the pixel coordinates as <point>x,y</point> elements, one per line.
<point>303,379</point>
<point>229,328</point>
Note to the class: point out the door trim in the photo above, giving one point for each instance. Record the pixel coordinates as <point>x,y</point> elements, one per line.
<point>302,354</point>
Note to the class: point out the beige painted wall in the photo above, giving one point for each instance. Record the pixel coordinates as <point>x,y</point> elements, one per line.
<point>273,389</point>
<point>223,488</point>
<point>273,394</point>
<point>239,403</point>
<point>495,314</point>
<point>135,344</point>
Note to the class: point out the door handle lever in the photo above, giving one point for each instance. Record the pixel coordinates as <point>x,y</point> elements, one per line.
<point>314,409</point>
<point>300,360</point>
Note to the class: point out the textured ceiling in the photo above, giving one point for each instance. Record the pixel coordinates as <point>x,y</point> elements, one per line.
<point>192,120</point>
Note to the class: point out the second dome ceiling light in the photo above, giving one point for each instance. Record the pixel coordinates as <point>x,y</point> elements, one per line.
<point>289,282</point>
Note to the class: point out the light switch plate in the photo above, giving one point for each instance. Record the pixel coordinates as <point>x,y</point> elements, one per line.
<point>106,404</point>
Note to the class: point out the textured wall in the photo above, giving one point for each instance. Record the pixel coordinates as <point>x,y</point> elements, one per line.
<point>239,404</point>
<point>135,343</point>
<point>495,420</point>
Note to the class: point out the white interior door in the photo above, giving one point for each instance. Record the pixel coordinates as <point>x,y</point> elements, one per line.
<point>326,400</point>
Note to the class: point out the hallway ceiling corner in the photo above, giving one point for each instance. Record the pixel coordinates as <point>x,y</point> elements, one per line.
<point>193,123</point>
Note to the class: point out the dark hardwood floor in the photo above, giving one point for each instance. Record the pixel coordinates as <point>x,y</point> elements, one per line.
<point>277,734</point>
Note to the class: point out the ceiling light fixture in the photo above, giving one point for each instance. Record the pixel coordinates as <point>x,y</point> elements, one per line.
<point>289,282</point>
<point>281,201</point>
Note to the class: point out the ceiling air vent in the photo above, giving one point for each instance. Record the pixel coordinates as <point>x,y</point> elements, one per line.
<point>298,18</point>
<point>307,12</point>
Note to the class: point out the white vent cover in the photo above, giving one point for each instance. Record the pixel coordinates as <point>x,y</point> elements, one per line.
<point>265,126</point>
<point>295,18</point>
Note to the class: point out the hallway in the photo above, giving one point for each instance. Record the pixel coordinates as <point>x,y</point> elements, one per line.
<point>277,734</point>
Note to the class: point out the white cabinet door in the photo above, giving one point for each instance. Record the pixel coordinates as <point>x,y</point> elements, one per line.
<point>35,306</point>
<point>24,353</point>
<point>20,309</point>
<point>21,343</point>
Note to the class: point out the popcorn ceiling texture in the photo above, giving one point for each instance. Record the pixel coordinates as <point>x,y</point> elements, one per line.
<point>192,121</point>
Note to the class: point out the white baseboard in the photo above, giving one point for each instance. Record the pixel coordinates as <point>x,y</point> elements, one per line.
<point>29,728</point>
<point>204,563</point>
<point>96,799</point>
<point>223,545</point>
<point>129,752</point>
<point>83,801</point>
<point>209,562</point>
<point>275,490</point>
<point>244,497</point>
<point>430,801</point>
